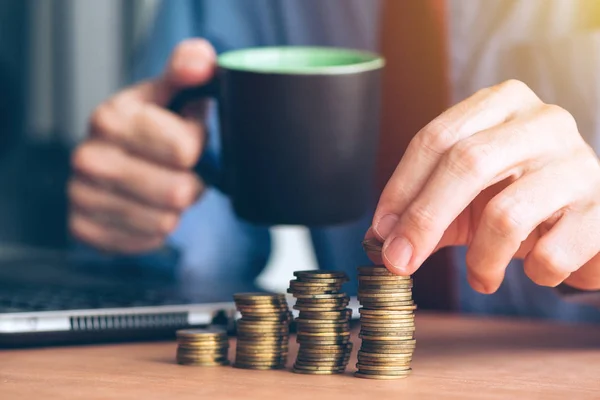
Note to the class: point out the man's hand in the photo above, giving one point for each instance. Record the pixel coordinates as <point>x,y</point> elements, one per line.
<point>132,176</point>
<point>505,174</point>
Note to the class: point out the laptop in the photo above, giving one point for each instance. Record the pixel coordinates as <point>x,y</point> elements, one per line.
<point>49,297</point>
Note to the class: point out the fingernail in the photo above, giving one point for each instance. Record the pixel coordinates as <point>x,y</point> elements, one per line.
<point>398,253</point>
<point>385,225</point>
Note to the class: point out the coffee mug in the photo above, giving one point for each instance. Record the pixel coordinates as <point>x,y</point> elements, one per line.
<point>299,132</point>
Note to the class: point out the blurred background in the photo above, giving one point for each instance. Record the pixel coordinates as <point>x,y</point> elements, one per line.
<point>58,60</point>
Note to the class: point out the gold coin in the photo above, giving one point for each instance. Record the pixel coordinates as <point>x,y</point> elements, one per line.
<point>311,347</point>
<point>381,377</point>
<point>202,364</point>
<point>380,295</point>
<point>318,367</point>
<point>388,306</point>
<point>387,368</point>
<point>326,315</point>
<point>262,367</point>
<point>321,322</point>
<point>322,341</point>
<point>386,313</point>
<point>384,356</point>
<point>374,270</point>
<point>331,372</point>
<point>320,309</point>
<point>322,334</point>
<point>258,296</point>
<point>322,303</point>
<point>312,274</point>
<point>385,338</point>
<point>367,328</point>
<point>380,327</point>
<point>322,296</point>
<point>377,279</point>
<point>317,328</point>
<point>332,281</point>
<point>208,334</point>
<point>372,245</point>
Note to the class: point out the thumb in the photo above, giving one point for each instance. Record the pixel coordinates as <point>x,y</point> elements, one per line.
<point>192,63</point>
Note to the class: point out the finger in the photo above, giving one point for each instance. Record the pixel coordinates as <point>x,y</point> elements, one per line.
<point>587,277</point>
<point>465,171</point>
<point>149,131</point>
<point>119,212</point>
<point>192,63</point>
<point>571,243</point>
<point>109,239</point>
<point>510,217</point>
<point>110,167</point>
<point>485,109</point>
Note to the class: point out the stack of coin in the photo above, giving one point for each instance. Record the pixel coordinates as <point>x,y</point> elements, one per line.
<point>387,324</point>
<point>323,328</point>
<point>263,331</point>
<point>202,347</point>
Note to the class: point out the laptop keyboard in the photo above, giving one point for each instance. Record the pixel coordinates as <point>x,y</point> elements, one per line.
<point>27,299</point>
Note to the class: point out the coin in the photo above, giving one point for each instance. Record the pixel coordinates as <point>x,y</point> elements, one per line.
<point>319,372</point>
<point>372,245</point>
<point>202,347</point>
<point>321,296</point>
<point>387,321</point>
<point>382,377</point>
<point>312,274</point>
<point>263,330</point>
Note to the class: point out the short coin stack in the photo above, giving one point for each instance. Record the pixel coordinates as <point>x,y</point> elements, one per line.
<point>323,328</point>
<point>263,331</point>
<point>202,347</point>
<point>387,324</point>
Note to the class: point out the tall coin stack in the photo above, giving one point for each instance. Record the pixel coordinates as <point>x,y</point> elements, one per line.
<point>263,331</point>
<point>202,347</point>
<point>323,328</point>
<point>387,324</point>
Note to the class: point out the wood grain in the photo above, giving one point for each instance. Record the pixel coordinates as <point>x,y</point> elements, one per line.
<point>456,358</point>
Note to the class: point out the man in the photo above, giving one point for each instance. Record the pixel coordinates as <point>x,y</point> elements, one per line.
<point>501,172</point>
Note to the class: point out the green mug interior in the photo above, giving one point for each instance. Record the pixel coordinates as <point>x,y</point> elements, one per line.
<point>300,60</point>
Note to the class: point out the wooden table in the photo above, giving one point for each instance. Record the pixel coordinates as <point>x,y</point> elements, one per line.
<point>456,358</point>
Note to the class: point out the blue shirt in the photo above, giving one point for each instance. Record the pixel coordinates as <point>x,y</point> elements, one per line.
<point>211,240</point>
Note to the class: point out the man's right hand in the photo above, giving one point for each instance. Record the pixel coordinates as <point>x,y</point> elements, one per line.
<point>132,175</point>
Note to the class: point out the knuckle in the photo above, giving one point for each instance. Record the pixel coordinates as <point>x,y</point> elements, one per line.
<point>503,218</point>
<point>82,158</point>
<point>420,218</point>
<point>549,259</point>
<point>436,137</point>
<point>469,158</point>
<point>563,118</point>
<point>167,223</point>
<point>184,192</point>
<point>515,86</point>
<point>187,152</point>
<point>102,121</point>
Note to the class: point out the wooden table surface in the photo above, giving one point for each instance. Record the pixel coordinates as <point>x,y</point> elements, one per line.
<point>456,358</point>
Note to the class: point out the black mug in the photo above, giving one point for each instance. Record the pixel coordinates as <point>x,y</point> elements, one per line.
<point>299,132</point>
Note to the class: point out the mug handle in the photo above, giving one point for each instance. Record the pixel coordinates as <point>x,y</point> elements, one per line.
<point>205,168</point>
